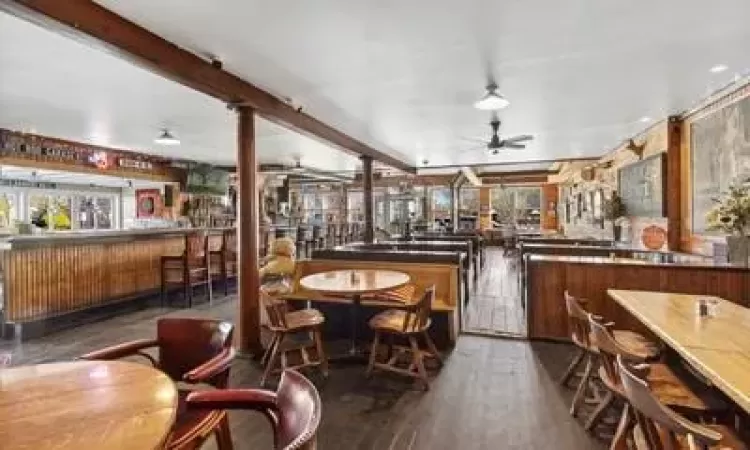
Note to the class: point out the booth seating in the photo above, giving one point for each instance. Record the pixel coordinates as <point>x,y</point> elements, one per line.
<point>372,253</point>
<point>429,246</point>
<point>477,241</point>
<point>443,272</point>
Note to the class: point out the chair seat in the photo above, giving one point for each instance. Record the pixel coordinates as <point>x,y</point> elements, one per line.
<point>304,318</point>
<point>190,423</point>
<point>392,321</point>
<point>670,390</point>
<point>729,439</point>
<point>637,344</point>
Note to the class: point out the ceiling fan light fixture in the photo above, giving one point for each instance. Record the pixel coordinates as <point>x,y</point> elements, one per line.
<point>492,101</point>
<point>166,138</point>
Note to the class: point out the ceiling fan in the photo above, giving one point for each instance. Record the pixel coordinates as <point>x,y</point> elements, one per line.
<point>300,171</point>
<point>495,144</point>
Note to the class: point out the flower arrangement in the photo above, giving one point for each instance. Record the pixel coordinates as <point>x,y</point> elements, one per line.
<point>731,212</point>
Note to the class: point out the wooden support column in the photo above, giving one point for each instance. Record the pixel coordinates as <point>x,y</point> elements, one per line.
<point>368,198</point>
<point>485,209</point>
<point>248,277</point>
<point>674,183</point>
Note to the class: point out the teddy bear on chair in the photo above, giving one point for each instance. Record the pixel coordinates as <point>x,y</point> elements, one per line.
<point>281,261</point>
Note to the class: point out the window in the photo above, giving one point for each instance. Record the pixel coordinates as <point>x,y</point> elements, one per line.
<point>518,205</point>
<point>468,202</point>
<point>441,203</point>
<point>8,211</point>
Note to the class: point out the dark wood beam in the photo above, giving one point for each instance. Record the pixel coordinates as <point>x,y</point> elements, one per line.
<point>248,277</point>
<point>368,199</point>
<point>674,183</point>
<point>91,23</point>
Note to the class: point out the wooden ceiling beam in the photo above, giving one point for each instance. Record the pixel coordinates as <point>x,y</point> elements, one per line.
<point>91,23</point>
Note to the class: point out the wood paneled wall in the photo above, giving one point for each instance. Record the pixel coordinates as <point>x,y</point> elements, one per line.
<point>548,280</point>
<point>48,281</point>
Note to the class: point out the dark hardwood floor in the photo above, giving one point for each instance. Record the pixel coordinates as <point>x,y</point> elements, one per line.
<point>491,394</point>
<point>495,306</point>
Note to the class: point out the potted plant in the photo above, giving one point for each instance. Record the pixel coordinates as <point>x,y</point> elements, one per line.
<point>731,215</point>
<point>614,211</point>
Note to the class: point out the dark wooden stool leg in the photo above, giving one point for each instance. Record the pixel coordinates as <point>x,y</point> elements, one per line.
<point>272,359</point>
<point>582,387</point>
<point>418,362</point>
<point>373,354</point>
<point>596,415</point>
<point>224,435</point>
<point>318,337</point>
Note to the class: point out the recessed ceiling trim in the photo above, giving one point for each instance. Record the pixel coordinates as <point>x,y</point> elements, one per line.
<point>92,23</point>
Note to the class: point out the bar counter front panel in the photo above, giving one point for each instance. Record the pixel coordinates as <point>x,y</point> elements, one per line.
<point>52,275</point>
<point>548,277</point>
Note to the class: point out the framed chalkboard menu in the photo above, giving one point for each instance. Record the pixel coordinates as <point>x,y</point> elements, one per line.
<point>642,186</point>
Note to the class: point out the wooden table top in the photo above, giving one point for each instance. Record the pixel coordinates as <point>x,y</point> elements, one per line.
<point>99,405</point>
<point>715,346</point>
<point>354,282</point>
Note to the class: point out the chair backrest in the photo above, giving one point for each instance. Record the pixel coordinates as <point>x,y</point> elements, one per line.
<point>657,421</point>
<point>276,310</point>
<point>195,245</point>
<point>186,343</point>
<point>417,317</point>
<point>294,410</point>
<point>298,410</point>
<point>578,320</point>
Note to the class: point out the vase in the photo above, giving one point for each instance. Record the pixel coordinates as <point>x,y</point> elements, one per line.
<point>738,249</point>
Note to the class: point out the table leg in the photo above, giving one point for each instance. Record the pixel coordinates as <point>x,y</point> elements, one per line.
<point>354,318</point>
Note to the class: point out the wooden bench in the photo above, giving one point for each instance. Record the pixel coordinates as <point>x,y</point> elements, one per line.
<point>443,276</point>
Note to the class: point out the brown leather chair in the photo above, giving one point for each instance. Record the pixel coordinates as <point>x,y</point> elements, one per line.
<point>294,410</point>
<point>189,269</point>
<point>283,323</point>
<point>194,351</point>
<point>409,322</point>
<point>580,330</point>
<point>666,385</point>
<point>659,427</point>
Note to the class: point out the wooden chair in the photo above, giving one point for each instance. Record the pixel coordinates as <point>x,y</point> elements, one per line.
<point>659,427</point>
<point>224,258</point>
<point>194,351</point>
<point>188,270</point>
<point>580,329</point>
<point>667,386</point>
<point>283,323</point>
<point>294,410</point>
<point>409,322</point>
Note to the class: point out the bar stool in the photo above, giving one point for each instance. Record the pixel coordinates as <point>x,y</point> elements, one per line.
<point>282,323</point>
<point>331,235</point>
<point>316,239</point>
<point>224,258</point>
<point>409,322</point>
<point>188,269</point>
<point>580,330</point>
<point>659,427</point>
<point>343,233</point>
<point>666,385</point>
<point>294,410</point>
<point>302,242</point>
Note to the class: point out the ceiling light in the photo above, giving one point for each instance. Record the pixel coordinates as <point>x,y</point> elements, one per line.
<point>719,68</point>
<point>166,138</point>
<point>645,119</point>
<point>492,101</point>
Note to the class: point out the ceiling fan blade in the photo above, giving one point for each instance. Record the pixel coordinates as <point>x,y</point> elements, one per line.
<point>513,145</point>
<point>521,138</point>
<point>475,140</point>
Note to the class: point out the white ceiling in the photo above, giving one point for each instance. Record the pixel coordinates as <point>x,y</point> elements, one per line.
<point>55,86</point>
<point>580,73</point>
<point>400,75</point>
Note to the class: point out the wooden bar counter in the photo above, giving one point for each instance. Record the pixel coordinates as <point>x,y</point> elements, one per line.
<point>589,277</point>
<point>53,275</point>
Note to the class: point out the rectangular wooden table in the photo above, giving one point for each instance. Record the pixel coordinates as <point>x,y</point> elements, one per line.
<point>717,347</point>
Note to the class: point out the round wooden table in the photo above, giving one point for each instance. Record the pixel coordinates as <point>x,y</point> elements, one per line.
<point>354,283</point>
<point>99,405</point>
